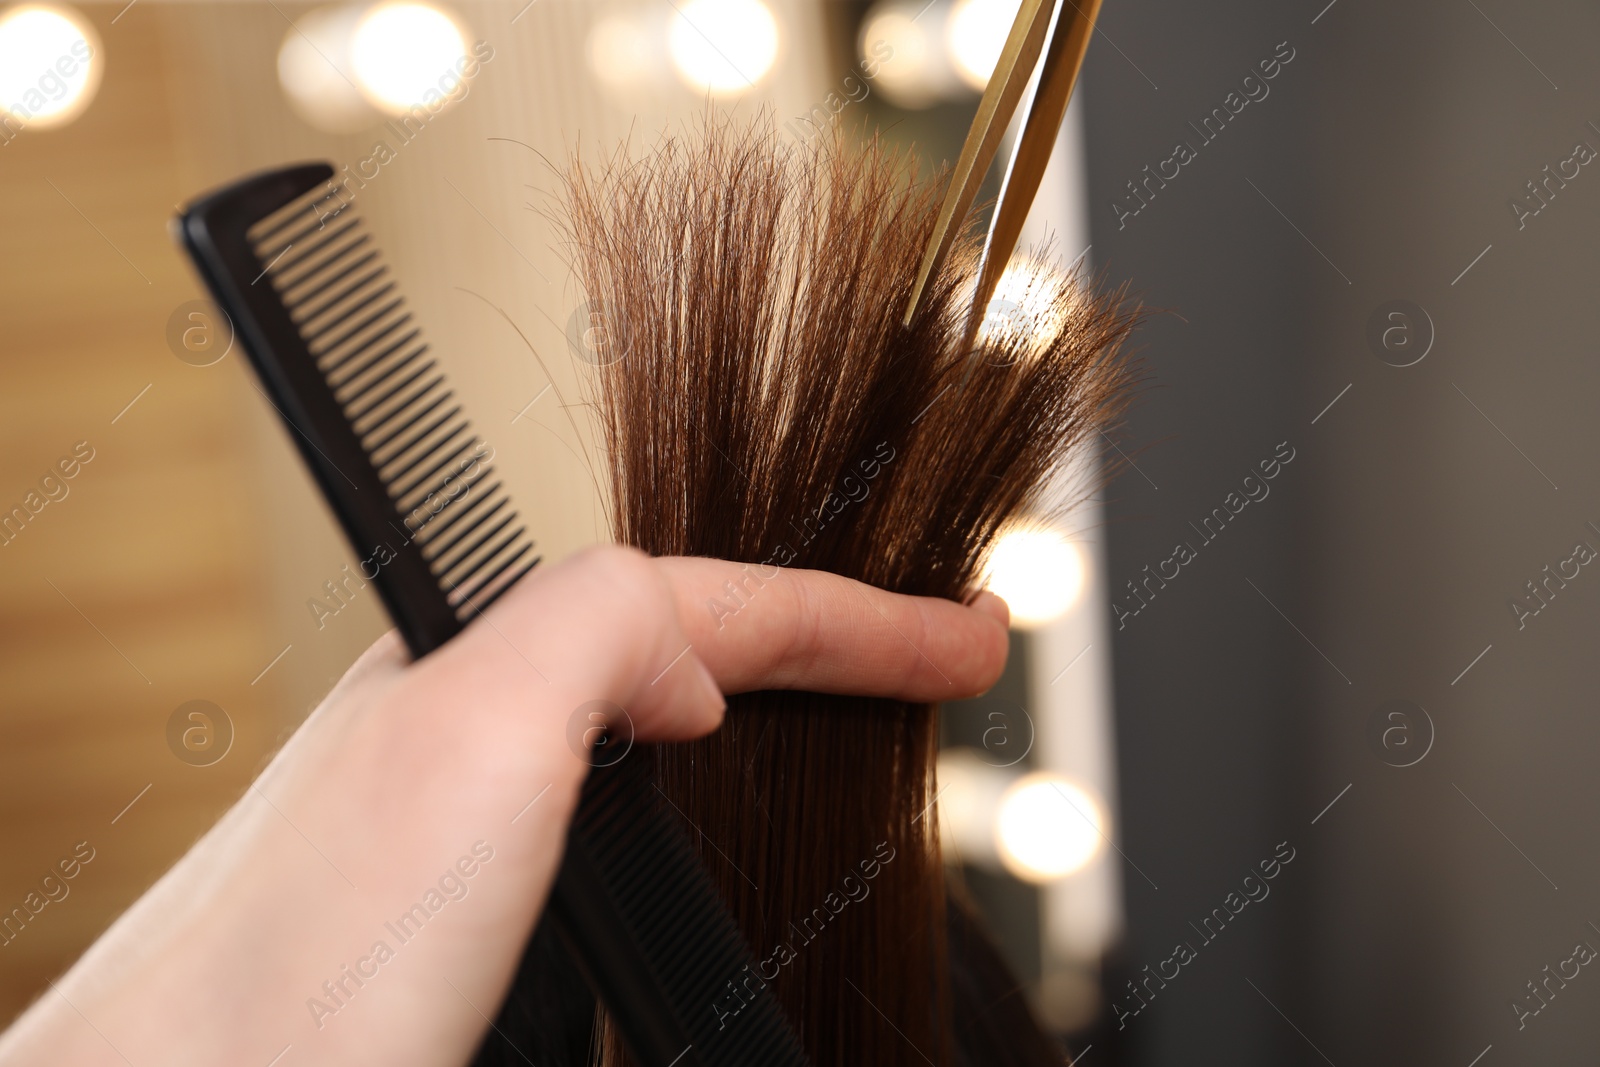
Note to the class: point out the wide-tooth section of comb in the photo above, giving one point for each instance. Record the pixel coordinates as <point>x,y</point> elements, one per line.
<point>347,309</point>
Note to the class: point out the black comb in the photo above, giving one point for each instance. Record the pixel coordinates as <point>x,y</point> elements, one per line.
<point>324,324</point>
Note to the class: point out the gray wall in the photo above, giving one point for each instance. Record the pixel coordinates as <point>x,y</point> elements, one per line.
<point>1420,903</point>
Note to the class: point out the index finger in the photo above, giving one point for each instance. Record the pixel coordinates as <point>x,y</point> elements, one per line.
<point>764,627</point>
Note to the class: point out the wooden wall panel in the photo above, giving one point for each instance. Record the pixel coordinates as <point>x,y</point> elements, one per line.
<point>139,589</point>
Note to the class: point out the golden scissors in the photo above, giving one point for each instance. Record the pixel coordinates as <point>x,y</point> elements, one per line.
<point>1059,29</point>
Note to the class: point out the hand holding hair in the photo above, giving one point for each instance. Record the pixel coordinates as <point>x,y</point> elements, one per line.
<point>362,831</point>
<point>369,898</point>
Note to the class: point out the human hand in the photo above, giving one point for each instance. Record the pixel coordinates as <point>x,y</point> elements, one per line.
<point>411,775</point>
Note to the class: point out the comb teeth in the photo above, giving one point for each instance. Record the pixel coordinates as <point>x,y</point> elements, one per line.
<point>438,474</point>
<point>708,972</point>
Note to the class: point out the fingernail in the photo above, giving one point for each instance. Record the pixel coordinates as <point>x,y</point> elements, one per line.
<point>994,606</point>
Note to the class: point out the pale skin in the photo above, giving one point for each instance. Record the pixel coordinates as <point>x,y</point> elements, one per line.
<point>405,767</point>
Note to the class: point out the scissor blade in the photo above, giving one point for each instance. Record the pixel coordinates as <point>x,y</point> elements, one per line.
<point>1069,40</point>
<point>1000,97</point>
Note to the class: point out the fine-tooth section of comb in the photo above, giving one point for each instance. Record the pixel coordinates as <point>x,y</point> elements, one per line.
<point>729,1017</point>
<point>343,361</point>
<point>347,311</point>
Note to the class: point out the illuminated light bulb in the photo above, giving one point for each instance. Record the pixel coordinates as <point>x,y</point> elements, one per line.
<point>1037,571</point>
<point>50,66</point>
<point>408,54</point>
<point>1028,307</point>
<point>976,35</point>
<point>621,52</point>
<point>726,46</point>
<point>901,55</point>
<point>316,72</point>
<point>1047,828</point>
<point>969,796</point>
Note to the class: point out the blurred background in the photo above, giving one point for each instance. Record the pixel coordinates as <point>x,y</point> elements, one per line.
<point>1293,759</point>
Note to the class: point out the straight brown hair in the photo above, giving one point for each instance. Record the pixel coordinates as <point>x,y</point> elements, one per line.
<point>760,400</point>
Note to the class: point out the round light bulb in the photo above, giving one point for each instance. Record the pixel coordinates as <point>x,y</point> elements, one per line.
<point>725,46</point>
<point>1037,571</point>
<point>1047,828</point>
<point>316,73</point>
<point>977,34</point>
<point>50,66</point>
<point>621,51</point>
<point>408,54</point>
<point>969,796</point>
<point>902,51</point>
<point>1025,303</point>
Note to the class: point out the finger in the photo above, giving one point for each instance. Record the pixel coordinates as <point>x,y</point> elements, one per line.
<point>600,626</point>
<point>770,628</point>
<point>994,606</point>
<point>666,687</point>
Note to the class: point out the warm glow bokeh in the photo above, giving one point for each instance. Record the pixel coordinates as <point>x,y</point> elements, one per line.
<point>50,64</point>
<point>1038,572</point>
<point>403,52</point>
<point>1047,828</point>
<point>977,35</point>
<point>726,46</point>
